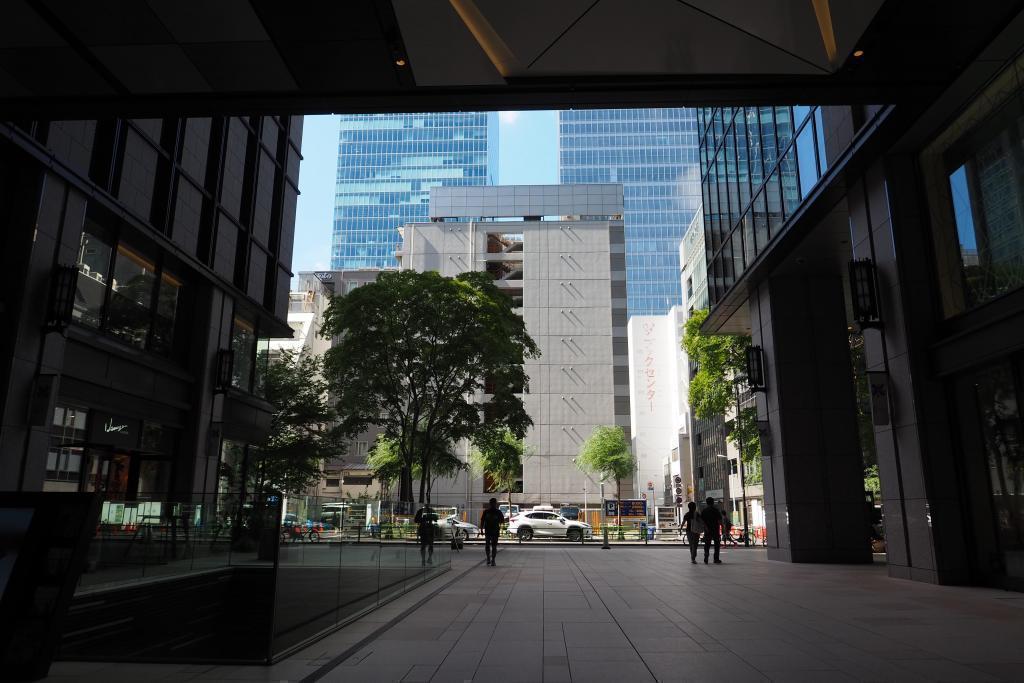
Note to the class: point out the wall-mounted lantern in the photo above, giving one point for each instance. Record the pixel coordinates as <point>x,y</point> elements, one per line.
<point>225,370</point>
<point>864,293</point>
<point>61,305</point>
<point>755,369</point>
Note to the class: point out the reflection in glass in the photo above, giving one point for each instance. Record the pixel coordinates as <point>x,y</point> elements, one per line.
<point>773,197</point>
<point>93,276</point>
<point>749,252</point>
<point>1001,429</point>
<point>64,459</point>
<point>819,132</point>
<point>132,297</point>
<point>790,191</point>
<point>768,142</point>
<point>243,343</point>
<point>806,160</point>
<point>987,196</point>
<point>166,310</point>
<point>761,233</point>
<point>783,128</point>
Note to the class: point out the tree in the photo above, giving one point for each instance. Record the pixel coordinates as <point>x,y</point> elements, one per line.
<point>413,349</point>
<point>384,461</point>
<point>606,453</point>
<point>302,434</point>
<point>714,389</point>
<point>499,454</point>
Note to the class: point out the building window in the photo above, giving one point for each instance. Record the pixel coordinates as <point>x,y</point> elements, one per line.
<point>125,293</point>
<point>358,480</point>
<point>243,343</point>
<point>332,483</point>
<point>251,357</point>
<point>64,459</point>
<point>974,175</point>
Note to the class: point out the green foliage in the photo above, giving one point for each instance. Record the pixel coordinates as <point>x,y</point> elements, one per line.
<point>719,359</point>
<point>301,433</point>
<point>865,424</point>
<point>412,350</point>
<point>606,453</point>
<point>499,454</point>
<point>384,461</point>
<point>745,435</point>
<point>872,482</point>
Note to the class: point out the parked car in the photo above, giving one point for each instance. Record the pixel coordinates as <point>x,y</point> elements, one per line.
<point>547,524</point>
<point>456,526</point>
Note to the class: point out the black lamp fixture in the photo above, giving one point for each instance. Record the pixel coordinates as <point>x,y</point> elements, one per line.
<point>62,298</point>
<point>755,369</point>
<point>225,370</point>
<point>864,292</point>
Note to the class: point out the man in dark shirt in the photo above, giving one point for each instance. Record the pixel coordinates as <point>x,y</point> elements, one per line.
<point>491,521</point>
<point>426,523</point>
<point>713,529</point>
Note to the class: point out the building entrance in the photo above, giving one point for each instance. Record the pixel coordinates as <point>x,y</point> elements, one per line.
<point>119,474</point>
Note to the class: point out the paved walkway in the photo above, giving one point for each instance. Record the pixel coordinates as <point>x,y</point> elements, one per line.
<point>635,614</point>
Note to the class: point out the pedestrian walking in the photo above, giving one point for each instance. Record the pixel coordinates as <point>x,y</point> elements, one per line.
<point>693,525</point>
<point>712,533</point>
<point>426,524</point>
<point>491,521</point>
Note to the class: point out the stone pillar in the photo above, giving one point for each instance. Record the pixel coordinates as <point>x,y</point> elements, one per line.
<point>919,494</point>
<point>812,463</point>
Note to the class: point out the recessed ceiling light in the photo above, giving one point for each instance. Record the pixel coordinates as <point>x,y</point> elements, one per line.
<point>858,53</point>
<point>400,61</point>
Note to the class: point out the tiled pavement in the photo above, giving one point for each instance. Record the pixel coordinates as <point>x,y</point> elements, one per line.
<point>644,614</point>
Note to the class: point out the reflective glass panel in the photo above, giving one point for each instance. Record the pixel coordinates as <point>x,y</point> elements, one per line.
<point>93,279</point>
<point>243,343</point>
<point>131,300</point>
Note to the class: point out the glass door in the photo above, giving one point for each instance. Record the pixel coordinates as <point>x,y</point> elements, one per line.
<point>997,393</point>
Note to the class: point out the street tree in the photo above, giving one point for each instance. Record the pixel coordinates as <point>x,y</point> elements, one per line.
<point>302,434</point>
<point>715,388</point>
<point>606,453</point>
<point>411,352</point>
<point>498,454</point>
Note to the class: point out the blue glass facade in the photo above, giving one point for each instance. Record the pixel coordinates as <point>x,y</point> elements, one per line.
<point>653,153</point>
<point>387,164</point>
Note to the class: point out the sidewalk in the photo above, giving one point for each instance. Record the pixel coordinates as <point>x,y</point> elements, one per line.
<point>624,615</point>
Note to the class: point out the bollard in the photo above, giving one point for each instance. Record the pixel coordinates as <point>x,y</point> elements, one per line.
<point>643,530</point>
<point>604,534</point>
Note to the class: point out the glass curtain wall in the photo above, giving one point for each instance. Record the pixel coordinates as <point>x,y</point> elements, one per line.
<point>653,153</point>
<point>387,164</point>
<point>757,164</point>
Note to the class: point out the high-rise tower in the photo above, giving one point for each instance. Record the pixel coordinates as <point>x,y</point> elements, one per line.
<point>387,164</point>
<point>653,153</point>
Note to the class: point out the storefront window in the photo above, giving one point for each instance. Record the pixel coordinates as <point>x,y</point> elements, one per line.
<point>93,276</point>
<point>64,459</point>
<point>974,176</point>
<point>1000,419</point>
<point>118,291</point>
<point>243,343</point>
<point>131,298</point>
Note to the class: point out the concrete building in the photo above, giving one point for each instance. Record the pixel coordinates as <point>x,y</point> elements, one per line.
<point>559,250</point>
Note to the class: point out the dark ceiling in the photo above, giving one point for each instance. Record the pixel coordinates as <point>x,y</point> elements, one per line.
<point>77,58</point>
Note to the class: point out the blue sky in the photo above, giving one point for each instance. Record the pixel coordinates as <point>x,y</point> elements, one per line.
<point>527,154</point>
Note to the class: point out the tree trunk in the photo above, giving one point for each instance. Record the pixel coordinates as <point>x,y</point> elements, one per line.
<point>405,484</point>
<point>618,497</point>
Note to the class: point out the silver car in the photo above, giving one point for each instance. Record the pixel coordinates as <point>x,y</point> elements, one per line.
<point>456,527</point>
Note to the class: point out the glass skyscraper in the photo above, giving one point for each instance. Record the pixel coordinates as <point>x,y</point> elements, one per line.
<point>387,164</point>
<point>653,153</point>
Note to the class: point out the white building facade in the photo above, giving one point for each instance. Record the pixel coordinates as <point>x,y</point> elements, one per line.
<point>559,251</point>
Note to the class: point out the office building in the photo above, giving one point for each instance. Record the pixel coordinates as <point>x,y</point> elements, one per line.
<point>160,259</point>
<point>653,154</point>
<point>559,250</point>
<point>387,164</point>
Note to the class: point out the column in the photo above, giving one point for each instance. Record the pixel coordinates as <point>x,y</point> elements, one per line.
<point>812,463</point>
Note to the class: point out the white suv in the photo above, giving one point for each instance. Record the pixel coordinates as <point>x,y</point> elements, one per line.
<point>547,524</point>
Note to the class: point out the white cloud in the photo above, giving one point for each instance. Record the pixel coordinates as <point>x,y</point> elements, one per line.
<point>508,117</point>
